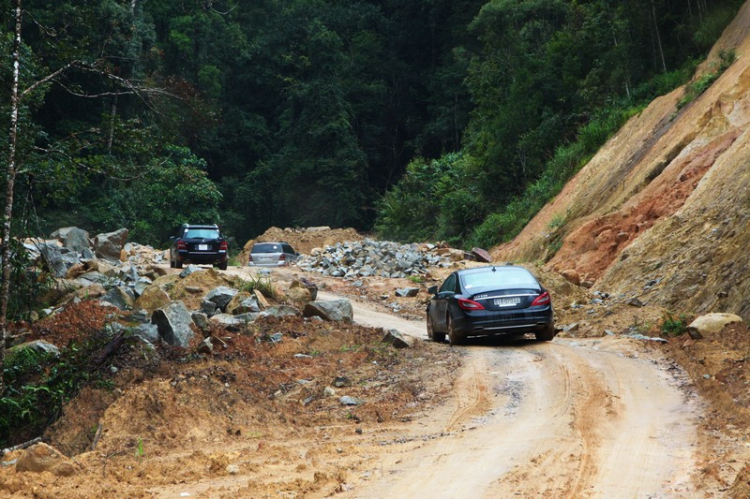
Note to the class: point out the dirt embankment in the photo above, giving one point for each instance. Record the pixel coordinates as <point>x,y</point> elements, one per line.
<point>664,201</point>
<point>302,240</point>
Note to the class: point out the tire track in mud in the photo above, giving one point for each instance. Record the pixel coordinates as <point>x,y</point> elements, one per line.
<point>472,390</point>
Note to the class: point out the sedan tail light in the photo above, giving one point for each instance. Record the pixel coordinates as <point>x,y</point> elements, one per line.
<point>543,299</point>
<point>469,304</point>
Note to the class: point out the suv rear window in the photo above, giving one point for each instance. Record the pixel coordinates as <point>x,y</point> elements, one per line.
<point>201,234</point>
<point>266,248</point>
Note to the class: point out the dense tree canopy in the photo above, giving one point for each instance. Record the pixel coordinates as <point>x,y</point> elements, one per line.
<point>423,119</point>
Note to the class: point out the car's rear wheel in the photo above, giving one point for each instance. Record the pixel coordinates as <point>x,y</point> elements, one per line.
<point>177,264</point>
<point>547,334</point>
<point>438,337</point>
<point>223,266</point>
<point>454,337</point>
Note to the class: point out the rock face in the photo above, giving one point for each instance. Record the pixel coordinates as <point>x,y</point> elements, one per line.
<point>664,200</point>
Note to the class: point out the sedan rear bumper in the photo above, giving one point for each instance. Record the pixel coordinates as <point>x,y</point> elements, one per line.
<point>484,322</point>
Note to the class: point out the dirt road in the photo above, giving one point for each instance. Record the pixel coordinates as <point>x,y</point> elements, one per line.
<point>583,418</point>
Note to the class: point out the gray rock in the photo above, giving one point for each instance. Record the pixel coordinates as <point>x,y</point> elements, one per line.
<point>108,246</point>
<point>280,311</point>
<point>206,346</point>
<point>398,340</point>
<point>233,322</point>
<point>39,346</point>
<point>201,320</point>
<point>53,258</point>
<point>189,270</point>
<point>347,400</point>
<point>174,323</point>
<point>332,310</point>
<point>407,292</point>
<point>121,297</point>
<point>208,307</point>
<point>148,332</point>
<point>220,296</point>
<point>73,238</point>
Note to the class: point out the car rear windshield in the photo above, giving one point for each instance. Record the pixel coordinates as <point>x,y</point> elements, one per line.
<point>500,279</point>
<point>202,234</point>
<point>266,248</point>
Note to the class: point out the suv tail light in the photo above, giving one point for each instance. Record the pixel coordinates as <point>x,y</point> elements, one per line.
<point>223,246</point>
<point>469,304</point>
<point>543,299</point>
<point>181,245</point>
<point>282,257</point>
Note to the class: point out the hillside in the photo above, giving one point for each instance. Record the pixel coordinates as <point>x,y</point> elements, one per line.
<point>661,212</point>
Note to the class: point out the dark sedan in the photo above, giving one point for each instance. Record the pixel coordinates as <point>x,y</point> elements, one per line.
<point>488,301</point>
<point>198,244</point>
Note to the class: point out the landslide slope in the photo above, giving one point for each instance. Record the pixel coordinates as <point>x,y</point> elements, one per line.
<point>662,211</point>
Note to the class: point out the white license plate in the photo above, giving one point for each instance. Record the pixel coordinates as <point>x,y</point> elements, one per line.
<point>203,247</point>
<point>507,302</point>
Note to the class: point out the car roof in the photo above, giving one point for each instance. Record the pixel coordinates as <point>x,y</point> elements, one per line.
<point>271,242</point>
<point>201,226</point>
<point>493,268</point>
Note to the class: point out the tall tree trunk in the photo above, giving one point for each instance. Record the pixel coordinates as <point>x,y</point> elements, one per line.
<point>658,37</point>
<point>10,178</point>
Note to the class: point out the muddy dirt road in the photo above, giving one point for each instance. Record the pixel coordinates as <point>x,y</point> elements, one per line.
<point>583,418</point>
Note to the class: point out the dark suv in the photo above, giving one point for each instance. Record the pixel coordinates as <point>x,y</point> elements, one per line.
<point>199,244</point>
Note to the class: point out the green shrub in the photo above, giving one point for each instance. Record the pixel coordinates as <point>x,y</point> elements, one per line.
<point>672,326</point>
<point>37,385</point>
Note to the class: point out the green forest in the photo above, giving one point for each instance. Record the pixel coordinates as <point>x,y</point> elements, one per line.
<point>411,119</point>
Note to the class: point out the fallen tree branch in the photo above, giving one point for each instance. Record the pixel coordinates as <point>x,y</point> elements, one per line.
<point>21,446</point>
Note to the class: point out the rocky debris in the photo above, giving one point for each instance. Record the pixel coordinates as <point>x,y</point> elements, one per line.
<point>109,245</point>
<point>710,323</point>
<point>280,311</point>
<point>332,310</point>
<point>39,346</point>
<point>407,292</point>
<point>220,296</point>
<point>373,258</point>
<point>398,340</point>
<point>152,298</point>
<point>41,457</point>
<point>242,303</point>
<point>481,255</point>
<point>174,322</point>
<point>73,239</point>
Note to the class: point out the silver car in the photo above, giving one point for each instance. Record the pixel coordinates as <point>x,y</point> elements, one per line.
<point>272,254</point>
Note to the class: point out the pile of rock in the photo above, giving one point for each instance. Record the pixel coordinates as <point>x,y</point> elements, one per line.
<point>378,258</point>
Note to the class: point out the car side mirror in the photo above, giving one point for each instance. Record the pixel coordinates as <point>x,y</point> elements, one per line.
<point>432,290</point>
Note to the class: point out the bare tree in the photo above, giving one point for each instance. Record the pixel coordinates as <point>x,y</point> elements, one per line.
<point>10,178</point>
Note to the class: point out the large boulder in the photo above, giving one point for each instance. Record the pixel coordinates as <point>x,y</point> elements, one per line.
<point>242,303</point>
<point>221,296</point>
<point>711,323</point>
<point>121,297</point>
<point>152,298</point>
<point>73,238</point>
<point>174,323</point>
<point>332,310</point>
<point>41,457</point>
<point>109,245</point>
